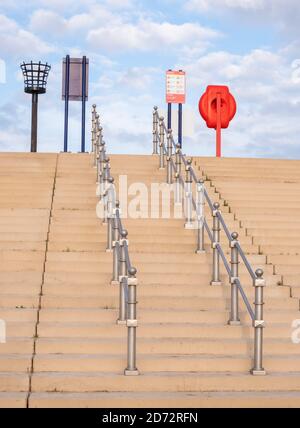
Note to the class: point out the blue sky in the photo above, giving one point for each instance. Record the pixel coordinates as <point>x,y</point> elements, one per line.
<point>251,45</point>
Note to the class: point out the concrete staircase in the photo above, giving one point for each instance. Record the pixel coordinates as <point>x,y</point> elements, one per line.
<point>64,347</point>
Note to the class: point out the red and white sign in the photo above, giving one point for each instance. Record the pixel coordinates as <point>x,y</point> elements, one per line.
<point>175,87</point>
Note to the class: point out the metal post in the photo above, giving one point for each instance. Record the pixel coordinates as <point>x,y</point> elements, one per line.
<point>98,142</point>
<point>84,65</point>
<point>96,130</point>
<point>116,245</point>
<point>216,236</point>
<point>132,324</point>
<point>169,157</point>
<point>34,121</point>
<point>161,143</point>
<point>169,116</point>
<point>178,159</point>
<point>94,112</point>
<point>67,97</point>
<point>97,148</point>
<point>258,324</point>
<point>101,166</point>
<point>110,217</point>
<point>155,131</point>
<point>188,196</point>
<point>180,125</point>
<point>200,217</point>
<point>234,309</point>
<point>106,175</point>
<point>122,278</point>
<point>178,189</point>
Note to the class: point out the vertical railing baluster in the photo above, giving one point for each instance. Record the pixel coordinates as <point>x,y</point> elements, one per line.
<point>110,208</point>
<point>94,112</point>
<point>169,157</point>
<point>122,278</point>
<point>234,260</point>
<point>132,324</point>
<point>200,217</point>
<point>259,283</point>
<point>116,245</point>
<point>155,131</point>
<point>188,196</point>
<point>161,143</point>
<point>216,237</point>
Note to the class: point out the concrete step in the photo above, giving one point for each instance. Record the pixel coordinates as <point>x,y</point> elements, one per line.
<point>161,382</point>
<point>17,345</point>
<point>168,330</point>
<point>60,277</point>
<point>158,363</point>
<point>18,315</point>
<point>14,382</point>
<point>13,400</point>
<point>165,400</point>
<point>11,363</point>
<point>141,247</point>
<point>176,345</point>
<point>163,258</point>
<point>153,302</point>
<point>160,316</point>
<point>19,301</point>
<point>199,291</point>
<point>145,267</point>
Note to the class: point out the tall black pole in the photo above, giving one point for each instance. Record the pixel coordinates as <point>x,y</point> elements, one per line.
<point>67,93</point>
<point>84,63</point>
<point>34,113</point>
<point>180,125</point>
<point>169,116</point>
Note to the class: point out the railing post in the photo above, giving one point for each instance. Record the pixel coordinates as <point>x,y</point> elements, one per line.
<point>110,215</point>
<point>97,127</point>
<point>258,324</point>
<point>131,324</point>
<point>122,278</point>
<point>200,217</point>
<point>97,149</point>
<point>106,175</point>
<point>155,131</point>
<point>216,237</point>
<point>178,159</point>
<point>188,196</point>
<point>161,143</point>
<point>116,245</point>
<point>101,159</point>
<point>178,189</point>
<point>94,112</point>
<point>169,157</point>
<point>234,261</point>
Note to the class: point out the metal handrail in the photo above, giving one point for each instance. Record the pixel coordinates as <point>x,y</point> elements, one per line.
<point>246,301</point>
<point>159,132</point>
<point>224,225</point>
<point>124,274</point>
<point>246,262</point>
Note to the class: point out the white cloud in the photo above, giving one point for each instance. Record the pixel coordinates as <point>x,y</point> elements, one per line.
<point>266,86</point>
<point>283,15</point>
<point>148,35</point>
<point>16,40</point>
<point>204,5</point>
<point>52,22</point>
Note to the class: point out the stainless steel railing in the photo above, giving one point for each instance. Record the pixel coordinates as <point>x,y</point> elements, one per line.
<point>172,158</point>
<point>123,273</point>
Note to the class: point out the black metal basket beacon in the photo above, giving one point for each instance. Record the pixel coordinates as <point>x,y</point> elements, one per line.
<point>35,83</point>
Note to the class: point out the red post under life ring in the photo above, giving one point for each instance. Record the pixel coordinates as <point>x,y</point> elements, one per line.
<point>217,106</point>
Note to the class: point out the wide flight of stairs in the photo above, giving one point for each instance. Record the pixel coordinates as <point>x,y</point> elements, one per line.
<point>64,348</point>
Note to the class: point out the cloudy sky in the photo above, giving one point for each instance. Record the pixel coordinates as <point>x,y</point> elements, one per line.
<point>251,45</point>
